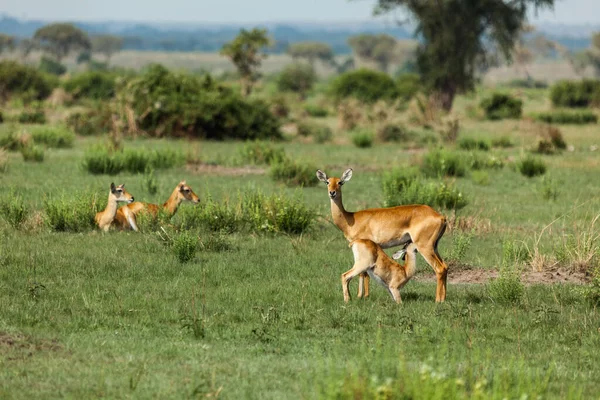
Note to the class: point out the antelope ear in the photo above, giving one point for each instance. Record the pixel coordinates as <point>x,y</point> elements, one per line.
<point>322,176</point>
<point>112,187</point>
<point>346,176</point>
<point>122,185</point>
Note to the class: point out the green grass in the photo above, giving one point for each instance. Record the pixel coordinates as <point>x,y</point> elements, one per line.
<point>258,313</point>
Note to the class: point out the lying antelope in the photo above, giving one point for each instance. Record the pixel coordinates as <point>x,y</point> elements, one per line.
<point>126,215</point>
<point>117,193</point>
<point>369,257</point>
<point>390,227</point>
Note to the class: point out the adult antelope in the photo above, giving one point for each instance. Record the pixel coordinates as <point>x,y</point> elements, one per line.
<point>126,215</point>
<point>105,218</point>
<point>369,257</point>
<point>390,227</point>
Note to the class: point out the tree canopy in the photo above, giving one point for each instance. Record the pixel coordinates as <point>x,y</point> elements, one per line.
<point>380,49</point>
<point>311,51</point>
<point>7,43</point>
<point>107,45</point>
<point>457,35</point>
<point>61,39</point>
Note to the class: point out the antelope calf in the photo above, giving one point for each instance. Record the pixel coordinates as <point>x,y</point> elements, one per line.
<point>106,217</point>
<point>369,257</point>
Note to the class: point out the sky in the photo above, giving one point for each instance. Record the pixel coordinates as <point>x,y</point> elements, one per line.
<point>236,11</point>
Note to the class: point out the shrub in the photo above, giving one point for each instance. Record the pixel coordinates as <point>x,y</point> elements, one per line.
<point>362,139</point>
<point>33,116</point>
<point>279,106</point>
<point>170,104</point>
<point>72,213</point>
<point>261,153</point>
<point>215,216</point>
<point>573,94</point>
<point>13,210</point>
<point>531,166</point>
<point>53,136</point>
<point>580,117</point>
<point>95,121</point>
<point>316,111</point>
<point>473,144</point>
<point>507,288</point>
<point>549,188</point>
<point>32,153</point>
<point>293,173</point>
<point>184,246</point>
<point>23,81</point>
<point>501,106</point>
<point>478,161</point>
<point>276,213</point>
<point>408,85</point>
<point>91,85</point>
<point>503,142</point>
<point>100,160</point>
<point>527,84</point>
<point>321,133</point>
<point>440,162</point>
<point>393,132</point>
<point>365,85</point>
<point>51,66</point>
<point>298,78</point>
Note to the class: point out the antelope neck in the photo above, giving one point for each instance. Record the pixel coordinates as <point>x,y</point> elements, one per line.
<point>338,213</point>
<point>173,202</point>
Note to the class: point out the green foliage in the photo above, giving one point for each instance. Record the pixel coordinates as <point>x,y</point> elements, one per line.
<point>362,138</point>
<point>106,45</point>
<point>171,104</point>
<point>23,81</point>
<point>527,84</point>
<point>298,78</point>
<point>95,121</point>
<point>185,245</point>
<point>60,39</point>
<point>480,177</point>
<point>101,160</point>
<point>3,160</point>
<point>575,94</point>
<point>32,116</point>
<point>393,132</point>
<point>293,173</point>
<point>503,142</point>
<point>316,111</point>
<point>441,162</point>
<point>51,66</point>
<point>13,209</point>
<point>91,85</point>
<point>591,292</point>
<point>276,213</point>
<point>468,143</point>
<point>377,48</point>
<point>507,288</point>
<point>261,153</point>
<point>215,242</point>
<point>501,106</point>
<point>531,166</point>
<point>579,117</point>
<point>320,132</point>
<point>150,181</point>
<point>56,137</point>
<point>32,152</point>
<point>408,85</point>
<point>365,85</point>
<point>549,188</point>
<point>311,51</point>
<point>72,212</point>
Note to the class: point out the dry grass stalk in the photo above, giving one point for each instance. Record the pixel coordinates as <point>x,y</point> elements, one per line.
<point>582,250</point>
<point>469,223</point>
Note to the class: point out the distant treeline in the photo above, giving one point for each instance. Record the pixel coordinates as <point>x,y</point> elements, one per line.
<point>147,37</point>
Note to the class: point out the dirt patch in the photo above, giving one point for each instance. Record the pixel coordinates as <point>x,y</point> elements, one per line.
<point>18,346</point>
<point>220,170</point>
<point>481,276</point>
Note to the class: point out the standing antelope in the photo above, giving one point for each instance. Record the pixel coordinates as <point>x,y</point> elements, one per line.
<point>390,227</point>
<point>126,215</point>
<point>117,193</point>
<point>369,257</point>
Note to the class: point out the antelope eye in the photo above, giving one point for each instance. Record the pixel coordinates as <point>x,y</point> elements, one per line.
<point>119,190</point>
<point>186,190</point>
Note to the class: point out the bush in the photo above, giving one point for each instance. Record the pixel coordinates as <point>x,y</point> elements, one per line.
<point>171,104</point>
<point>362,139</point>
<point>33,116</point>
<point>101,160</point>
<point>393,132</point>
<point>32,152</point>
<point>473,144</point>
<point>276,213</point>
<point>365,85</point>
<point>575,94</point>
<point>51,66</point>
<point>96,121</point>
<point>580,117</point>
<point>402,187</point>
<point>23,81</point>
<point>13,210</point>
<point>72,213</point>
<point>53,136</point>
<point>298,78</point>
<point>321,133</point>
<point>279,106</point>
<point>440,162</point>
<point>261,153</point>
<point>527,84</point>
<point>316,111</point>
<point>91,85</point>
<point>503,142</point>
<point>531,166</point>
<point>478,161</point>
<point>507,288</point>
<point>501,106</point>
<point>408,85</point>
<point>293,173</point>
<point>184,246</point>
<point>551,140</point>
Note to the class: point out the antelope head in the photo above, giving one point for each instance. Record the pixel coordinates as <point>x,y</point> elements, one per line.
<point>185,193</point>
<point>334,185</point>
<point>120,193</point>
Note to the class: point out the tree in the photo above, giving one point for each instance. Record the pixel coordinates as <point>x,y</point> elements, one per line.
<point>61,39</point>
<point>26,46</point>
<point>380,49</point>
<point>312,51</point>
<point>246,53</point>
<point>587,58</point>
<point>299,78</point>
<point>7,43</point>
<point>455,35</point>
<point>107,45</point>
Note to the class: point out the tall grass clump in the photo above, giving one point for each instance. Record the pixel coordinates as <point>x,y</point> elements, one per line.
<point>293,173</point>
<point>32,153</point>
<point>507,288</point>
<point>32,116</point>
<point>261,153</point>
<point>575,94</point>
<point>362,138</point>
<point>214,216</point>
<point>319,132</point>
<point>24,82</point>
<point>276,213</point>
<point>95,121</point>
<point>13,209</point>
<point>503,142</point>
<point>441,162</point>
<point>502,106</point>
<point>393,132</point>
<point>72,213</point>
<point>53,136</point>
<point>468,143</point>
<point>184,245</point>
<point>581,251</point>
<point>531,166</point>
<point>102,160</point>
<point>3,160</point>
<point>577,117</point>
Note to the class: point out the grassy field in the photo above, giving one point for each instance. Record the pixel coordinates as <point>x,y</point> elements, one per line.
<point>261,315</point>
